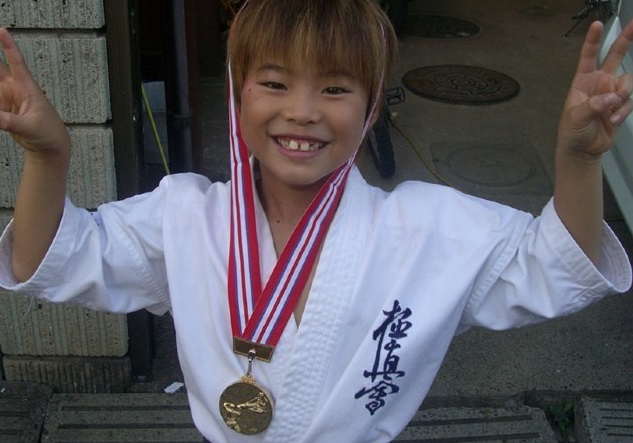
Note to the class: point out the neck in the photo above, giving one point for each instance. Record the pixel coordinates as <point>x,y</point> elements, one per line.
<point>284,204</point>
<point>283,208</point>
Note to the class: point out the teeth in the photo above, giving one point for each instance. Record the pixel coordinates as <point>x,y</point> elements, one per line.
<point>303,146</point>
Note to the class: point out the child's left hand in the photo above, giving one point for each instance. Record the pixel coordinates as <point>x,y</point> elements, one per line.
<point>599,99</point>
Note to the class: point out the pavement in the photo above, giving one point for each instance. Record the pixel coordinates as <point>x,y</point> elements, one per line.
<point>569,379</point>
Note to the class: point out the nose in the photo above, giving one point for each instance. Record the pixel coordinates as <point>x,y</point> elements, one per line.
<point>301,108</point>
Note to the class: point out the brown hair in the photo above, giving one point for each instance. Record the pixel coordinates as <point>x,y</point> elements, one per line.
<point>355,35</point>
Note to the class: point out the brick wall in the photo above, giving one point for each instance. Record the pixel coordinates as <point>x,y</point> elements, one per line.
<point>72,349</point>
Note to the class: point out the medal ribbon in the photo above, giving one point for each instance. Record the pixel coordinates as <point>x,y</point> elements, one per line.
<point>260,316</point>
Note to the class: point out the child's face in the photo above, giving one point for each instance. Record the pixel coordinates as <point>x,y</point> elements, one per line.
<point>300,123</point>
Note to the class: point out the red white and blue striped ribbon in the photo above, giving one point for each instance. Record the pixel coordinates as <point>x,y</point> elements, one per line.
<point>260,316</point>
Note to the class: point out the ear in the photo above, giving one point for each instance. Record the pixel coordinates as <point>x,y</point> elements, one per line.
<point>375,106</point>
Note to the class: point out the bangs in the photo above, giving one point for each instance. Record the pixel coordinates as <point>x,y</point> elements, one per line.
<point>324,44</point>
<point>331,35</point>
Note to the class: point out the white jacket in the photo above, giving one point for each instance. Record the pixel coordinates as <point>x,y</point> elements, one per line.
<point>399,275</point>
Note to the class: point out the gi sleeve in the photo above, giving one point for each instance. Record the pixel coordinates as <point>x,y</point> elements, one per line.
<point>542,273</point>
<point>110,260</point>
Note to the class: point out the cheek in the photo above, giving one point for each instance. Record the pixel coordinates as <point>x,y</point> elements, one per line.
<point>251,129</point>
<point>358,120</point>
<point>246,91</point>
<point>246,127</point>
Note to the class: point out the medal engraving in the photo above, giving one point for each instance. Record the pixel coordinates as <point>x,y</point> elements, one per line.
<point>245,407</point>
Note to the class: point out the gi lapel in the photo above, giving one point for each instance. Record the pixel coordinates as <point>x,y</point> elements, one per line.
<point>324,318</point>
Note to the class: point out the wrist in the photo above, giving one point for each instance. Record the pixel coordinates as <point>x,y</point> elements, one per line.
<point>54,155</point>
<point>576,159</point>
<point>49,167</point>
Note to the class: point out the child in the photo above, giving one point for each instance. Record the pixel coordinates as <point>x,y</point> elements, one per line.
<point>310,306</point>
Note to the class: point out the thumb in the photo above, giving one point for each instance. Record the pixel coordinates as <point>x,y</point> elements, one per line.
<point>595,106</point>
<point>34,136</point>
<point>11,122</point>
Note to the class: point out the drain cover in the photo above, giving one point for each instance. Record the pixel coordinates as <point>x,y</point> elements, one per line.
<point>519,423</point>
<point>486,168</point>
<point>22,410</point>
<point>460,84</point>
<point>606,421</point>
<point>437,26</point>
<point>490,166</point>
<point>114,418</point>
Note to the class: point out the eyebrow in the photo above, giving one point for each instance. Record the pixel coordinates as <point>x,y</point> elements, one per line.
<point>272,67</point>
<point>337,73</point>
<point>330,73</point>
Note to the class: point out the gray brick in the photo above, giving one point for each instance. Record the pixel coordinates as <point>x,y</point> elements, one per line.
<point>600,421</point>
<point>22,411</point>
<point>91,180</point>
<point>72,70</point>
<point>32,327</point>
<point>121,417</point>
<point>52,14</point>
<point>5,218</point>
<point>11,159</point>
<point>71,374</point>
<point>518,423</point>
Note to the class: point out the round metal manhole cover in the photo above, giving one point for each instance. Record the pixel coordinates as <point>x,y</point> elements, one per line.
<point>490,166</point>
<point>437,26</point>
<point>460,84</point>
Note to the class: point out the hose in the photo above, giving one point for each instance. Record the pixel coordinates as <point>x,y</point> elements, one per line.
<point>152,123</point>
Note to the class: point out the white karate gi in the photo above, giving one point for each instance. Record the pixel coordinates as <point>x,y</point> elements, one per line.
<point>399,275</point>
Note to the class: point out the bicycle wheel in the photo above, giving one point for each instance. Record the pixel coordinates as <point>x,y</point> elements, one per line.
<point>380,146</point>
<point>398,12</point>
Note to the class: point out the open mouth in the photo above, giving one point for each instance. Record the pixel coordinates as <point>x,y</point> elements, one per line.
<point>298,145</point>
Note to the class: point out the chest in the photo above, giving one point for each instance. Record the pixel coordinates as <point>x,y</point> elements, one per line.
<point>280,233</point>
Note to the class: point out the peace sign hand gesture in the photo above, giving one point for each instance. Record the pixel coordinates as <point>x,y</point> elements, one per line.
<point>35,125</point>
<point>25,111</point>
<point>597,104</point>
<point>599,99</point>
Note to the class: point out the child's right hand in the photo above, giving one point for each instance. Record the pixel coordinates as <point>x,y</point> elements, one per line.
<point>25,111</point>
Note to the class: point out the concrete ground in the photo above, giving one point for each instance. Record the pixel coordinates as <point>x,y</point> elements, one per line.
<point>592,350</point>
<point>543,365</point>
<point>493,386</point>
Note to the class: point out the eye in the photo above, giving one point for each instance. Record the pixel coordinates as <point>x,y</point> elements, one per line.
<point>273,85</point>
<point>335,90</point>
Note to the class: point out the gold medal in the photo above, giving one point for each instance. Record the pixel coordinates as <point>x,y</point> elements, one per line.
<point>246,407</point>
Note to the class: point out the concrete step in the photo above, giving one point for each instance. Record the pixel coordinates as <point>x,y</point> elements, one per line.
<point>31,413</point>
<point>139,418</point>
<point>22,411</point>
<point>461,424</point>
<point>600,421</point>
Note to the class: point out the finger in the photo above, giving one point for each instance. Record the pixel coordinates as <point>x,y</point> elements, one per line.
<point>590,49</point>
<point>621,113</point>
<point>597,106</point>
<point>4,72</point>
<point>7,99</point>
<point>610,105</point>
<point>11,122</point>
<point>618,50</point>
<point>3,69</point>
<point>624,86</point>
<point>15,60</point>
